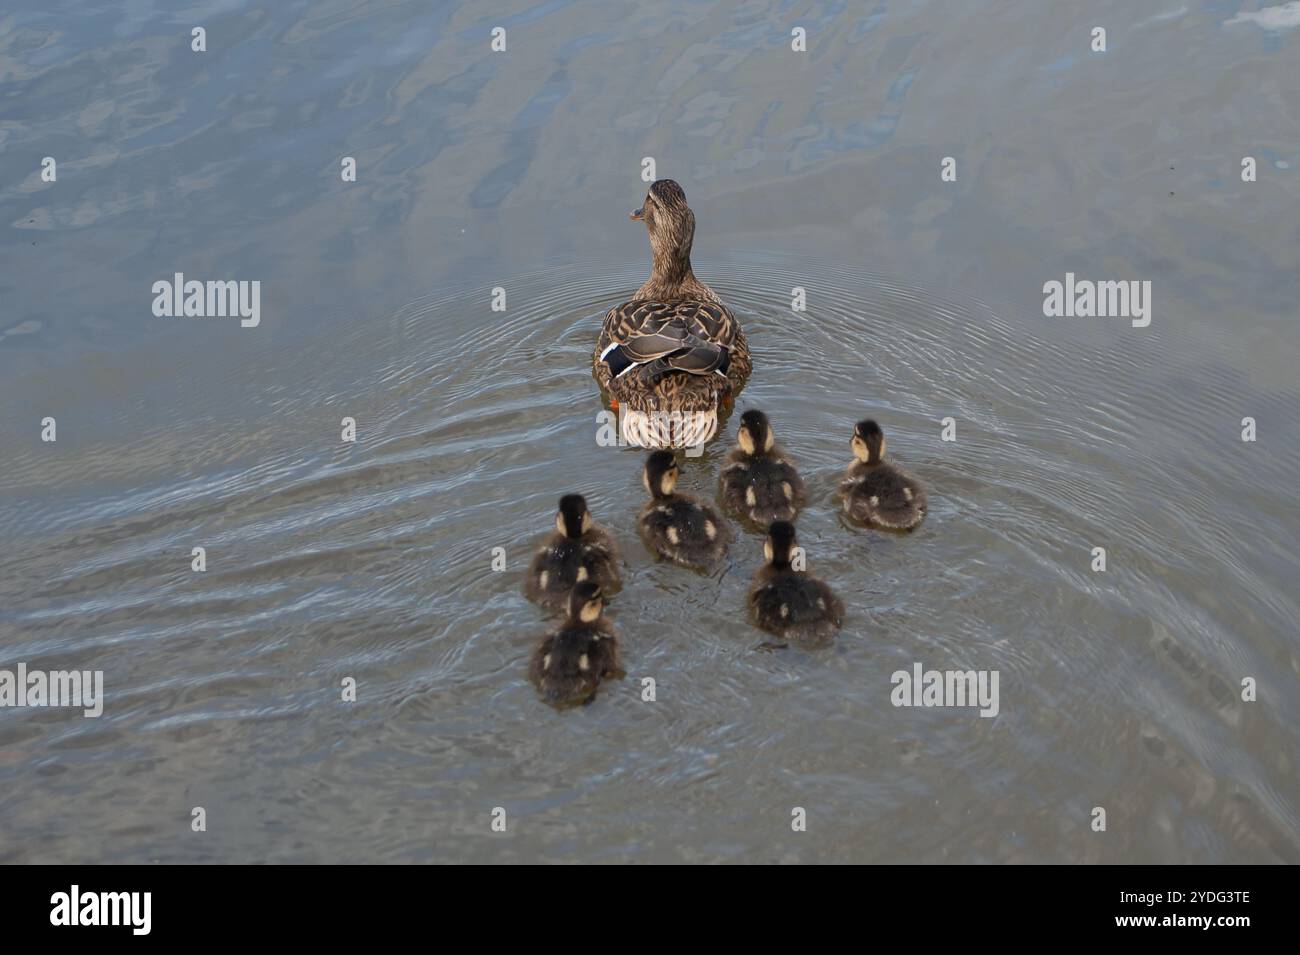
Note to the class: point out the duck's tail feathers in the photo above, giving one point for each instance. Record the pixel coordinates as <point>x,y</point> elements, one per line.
<point>670,429</point>
<point>898,518</point>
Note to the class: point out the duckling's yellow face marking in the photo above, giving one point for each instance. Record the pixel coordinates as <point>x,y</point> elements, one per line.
<point>590,613</point>
<point>767,550</point>
<point>586,521</point>
<point>673,536</point>
<point>559,523</point>
<point>709,530</point>
<point>583,663</point>
<point>860,449</point>
<point>750,497</point>
<point>745,440</point>
<point>544,579</point>
<point>787,490</point>
<point>546,662</point>
<point>582,574</point>
<point>668,483</point>
<point>907,494</point>
<point>769,439</point>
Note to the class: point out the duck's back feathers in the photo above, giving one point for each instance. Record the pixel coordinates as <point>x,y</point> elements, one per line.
<point>669,364</point>
<point>795,607</point>
<point>764,488</point>
<point>883,495</point>
<point>568,665</point>
<point>648,339</point>
<point>684,531</point>
<point>563,562</point>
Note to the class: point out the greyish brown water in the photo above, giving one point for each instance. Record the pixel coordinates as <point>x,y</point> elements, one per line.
<point>821,170</point>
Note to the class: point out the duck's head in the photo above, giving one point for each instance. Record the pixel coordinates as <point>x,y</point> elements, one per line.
<point>670,222</point>
<point>586,601</point>
<point>573,519</point>
<point>868,442</point>
<point>755,434</point>
<point>780,544</point>
<point>661,472</point>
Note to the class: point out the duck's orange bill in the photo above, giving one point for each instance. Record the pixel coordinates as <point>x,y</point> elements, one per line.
<point>613,404</point>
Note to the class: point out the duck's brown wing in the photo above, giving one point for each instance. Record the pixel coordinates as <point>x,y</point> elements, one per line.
<point>650,339</point>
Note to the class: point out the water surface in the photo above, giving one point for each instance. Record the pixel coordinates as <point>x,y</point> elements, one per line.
<point>373,560</point>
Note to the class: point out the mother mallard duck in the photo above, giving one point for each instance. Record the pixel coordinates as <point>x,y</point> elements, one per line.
<point>674,353</point>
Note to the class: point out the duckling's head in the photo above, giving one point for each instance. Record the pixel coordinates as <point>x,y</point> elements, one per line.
<point>660,473</point>
<point>868,442</point>
<point>780,544</point>
<point>586,601</point>
<point>669,221</point>
<point>573,519</point>
<point>755,434</point>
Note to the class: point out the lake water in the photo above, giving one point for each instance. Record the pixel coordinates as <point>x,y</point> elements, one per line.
<point>372,560</point>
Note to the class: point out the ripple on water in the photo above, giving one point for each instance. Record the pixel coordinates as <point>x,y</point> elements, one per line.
<point>375,561</point>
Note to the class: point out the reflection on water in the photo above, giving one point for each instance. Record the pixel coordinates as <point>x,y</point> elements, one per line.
<point>373,560</point>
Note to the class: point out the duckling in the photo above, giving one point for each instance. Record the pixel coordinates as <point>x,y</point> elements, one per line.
<point>876,492</point>
<point>569,664</point>
<point>676,526</point>
<point>758,481</point>
<point>579,550</point>
<point>788,602</point>
<point>674,354</point>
